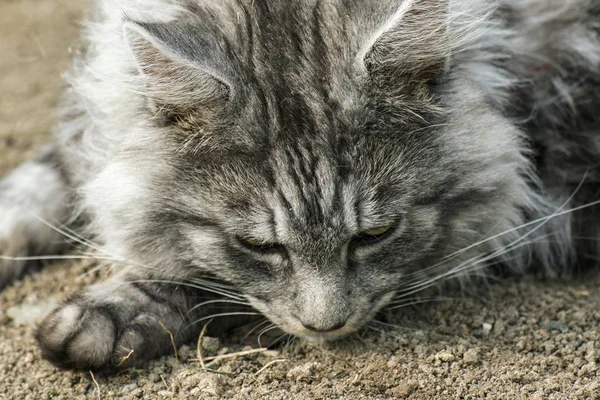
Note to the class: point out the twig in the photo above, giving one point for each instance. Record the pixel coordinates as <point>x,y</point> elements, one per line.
<point>125,358</point>
<point>165,382</point>
<point>267,365</point>
<point>172,339</point>
<point>216,371</point>
<point>199,344</point>
<point>97,386</point>
<point>232,355</point>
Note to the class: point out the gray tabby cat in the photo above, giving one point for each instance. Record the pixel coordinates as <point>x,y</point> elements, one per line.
<point>312,159</point>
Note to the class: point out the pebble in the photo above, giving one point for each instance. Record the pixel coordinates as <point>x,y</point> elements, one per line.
<point>210,346</point>
<point>471,356</point>
<point>302,372</point>
<point>486,328</point>
<point>30,314</point>
<point>445,356</point>
<point>201,383</point>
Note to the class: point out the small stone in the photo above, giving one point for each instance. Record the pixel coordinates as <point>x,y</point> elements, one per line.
<point>185,353</point>
<point>587,369</point>
<point>445,356</point>
<point>210,345</point>
<point>522,344</point>
<point>202,383</point>
<point>403,390</point>
<point>556,326</point>
<point>471,356</point>
<point>486,328</point>
<point>129,388</point>
<point>393,362</point>
<point>303,372</point>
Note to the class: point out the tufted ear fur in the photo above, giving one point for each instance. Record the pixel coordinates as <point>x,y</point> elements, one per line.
<point>413,41</point>
<point>181,68</point>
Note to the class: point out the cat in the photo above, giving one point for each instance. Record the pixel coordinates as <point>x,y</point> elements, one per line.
<point>311,161</point>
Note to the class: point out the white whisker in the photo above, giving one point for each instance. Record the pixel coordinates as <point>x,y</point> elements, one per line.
<point>413,302</point>
<point>187,284</point>
<point>68,235</point>
<point>267,329</point>
<point>228,314</point>
<point>216,301</point>
<point>542,221</point>
<point>255,328</point>
<point>466,265</point>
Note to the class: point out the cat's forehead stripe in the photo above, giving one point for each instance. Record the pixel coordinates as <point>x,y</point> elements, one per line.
<point>307,183</point>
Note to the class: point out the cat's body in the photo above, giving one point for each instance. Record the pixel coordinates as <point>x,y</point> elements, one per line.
<point>319,157</point>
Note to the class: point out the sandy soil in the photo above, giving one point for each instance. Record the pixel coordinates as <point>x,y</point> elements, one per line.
<point>528,338</point>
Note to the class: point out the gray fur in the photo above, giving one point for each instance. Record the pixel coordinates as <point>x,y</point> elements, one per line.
<point>302,124</point>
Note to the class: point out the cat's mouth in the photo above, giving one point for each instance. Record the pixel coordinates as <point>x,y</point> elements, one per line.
<point>296,328</point>
<point>291,324</point>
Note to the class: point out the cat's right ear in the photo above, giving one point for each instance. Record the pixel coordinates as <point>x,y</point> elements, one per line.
<point>411,40</point>
<point>172,73</point>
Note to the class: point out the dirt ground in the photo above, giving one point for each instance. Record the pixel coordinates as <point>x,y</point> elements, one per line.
<point>518,339</point>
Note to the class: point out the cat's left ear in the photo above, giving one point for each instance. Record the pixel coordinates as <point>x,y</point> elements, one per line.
<point>181,68</point>
<point>412,40</point>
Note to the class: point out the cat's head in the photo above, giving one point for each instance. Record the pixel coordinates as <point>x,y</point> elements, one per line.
<point>320,156</point>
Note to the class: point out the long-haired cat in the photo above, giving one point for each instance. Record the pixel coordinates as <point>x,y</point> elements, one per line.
<point>309,160</point>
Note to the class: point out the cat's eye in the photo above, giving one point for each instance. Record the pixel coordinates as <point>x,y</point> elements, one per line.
<point>259,246</point>
<point>376,231</point>
<point>372,236</point>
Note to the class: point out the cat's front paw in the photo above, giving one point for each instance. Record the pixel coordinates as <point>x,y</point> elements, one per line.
<point>109,327</point>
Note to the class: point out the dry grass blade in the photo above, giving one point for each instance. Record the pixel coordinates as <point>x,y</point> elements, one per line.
<point>267,365</point>
<point>233,355</point>
<point>126,357</point>
<point>172,339</point>
<point>97,385</point>
<point>199,344</point>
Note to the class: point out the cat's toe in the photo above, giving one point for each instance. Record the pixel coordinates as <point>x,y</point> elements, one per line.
<point>143,339</point>
<point>79,337</point>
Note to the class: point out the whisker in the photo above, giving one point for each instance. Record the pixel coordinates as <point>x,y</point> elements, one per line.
<point>412,289</point>
<point>543,220</point>
<point>229,314</point>
<point>48,258</point>
<point>222,288</point>
<point>267,329</point>
<point>283,336</point>
<point>187,284</point>
<point>255,328</point>
<point>387,324</point>
<point>382,331</point>
<point>511,246</point>
<point>67,235</point>
<point>216,301</point>
<point>414,302</point>
<point>85,241</point>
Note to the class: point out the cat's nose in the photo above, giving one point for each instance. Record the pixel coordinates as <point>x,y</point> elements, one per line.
<point>324,329</point>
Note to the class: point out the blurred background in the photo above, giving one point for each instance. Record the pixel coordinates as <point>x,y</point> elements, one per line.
<point>35,40</point>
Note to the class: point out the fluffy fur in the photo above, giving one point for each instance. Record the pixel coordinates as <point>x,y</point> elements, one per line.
<point>243,149</point>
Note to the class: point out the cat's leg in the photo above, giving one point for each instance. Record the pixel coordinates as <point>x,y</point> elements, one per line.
<point>124,322</point>
<point>35,192</point>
